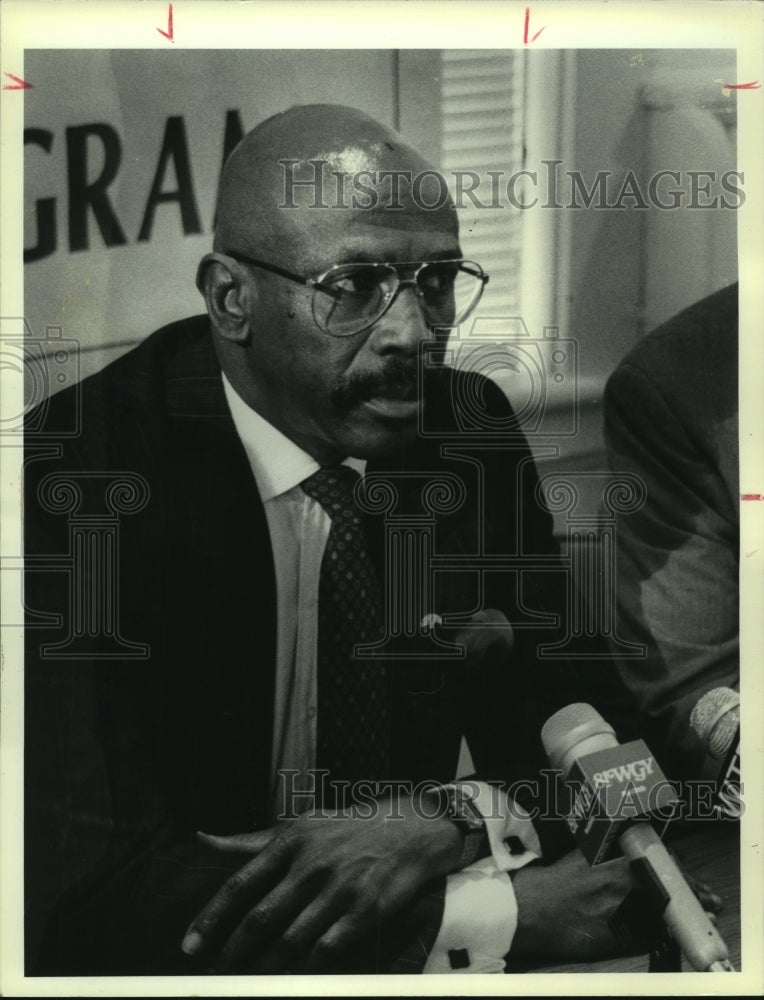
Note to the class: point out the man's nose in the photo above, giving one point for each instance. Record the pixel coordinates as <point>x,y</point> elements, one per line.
<point>403,326</point>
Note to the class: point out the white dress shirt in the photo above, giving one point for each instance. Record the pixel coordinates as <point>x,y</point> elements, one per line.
<point>480,910</point>
<point>299,527</point>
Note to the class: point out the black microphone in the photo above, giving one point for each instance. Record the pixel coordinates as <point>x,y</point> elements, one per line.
<point>715,719</point>
<point>579,742</point>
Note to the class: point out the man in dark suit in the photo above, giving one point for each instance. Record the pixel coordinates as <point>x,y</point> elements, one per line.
<point>195,684</point>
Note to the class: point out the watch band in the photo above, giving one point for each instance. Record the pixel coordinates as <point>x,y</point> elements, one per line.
<point>463,812</point>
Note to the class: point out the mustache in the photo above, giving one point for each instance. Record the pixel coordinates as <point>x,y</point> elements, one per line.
<point>400,378</point>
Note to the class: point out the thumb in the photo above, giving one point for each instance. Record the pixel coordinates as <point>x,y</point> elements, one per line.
<point>489,638</point>
<point>251,843</point>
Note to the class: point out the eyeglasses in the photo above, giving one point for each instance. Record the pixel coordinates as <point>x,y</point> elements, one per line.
<point>349,298</point>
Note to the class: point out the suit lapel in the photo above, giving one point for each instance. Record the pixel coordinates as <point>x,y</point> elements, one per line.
<point>225,572</point>
<point>426,695</point>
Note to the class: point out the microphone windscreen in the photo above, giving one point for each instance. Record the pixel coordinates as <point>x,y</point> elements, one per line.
<point>715,719</point>
<point>571,727</point>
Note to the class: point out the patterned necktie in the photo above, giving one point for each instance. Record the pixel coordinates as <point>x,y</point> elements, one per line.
<point>353,694</point>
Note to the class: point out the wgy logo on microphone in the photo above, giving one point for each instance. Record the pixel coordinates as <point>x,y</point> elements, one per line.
<point>635,771</point>
<point>610,789</point>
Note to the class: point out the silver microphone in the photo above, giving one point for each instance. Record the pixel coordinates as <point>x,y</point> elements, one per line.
<point>715,719</point>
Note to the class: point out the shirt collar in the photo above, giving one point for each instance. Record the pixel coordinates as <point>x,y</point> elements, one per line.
<point>277,462</point>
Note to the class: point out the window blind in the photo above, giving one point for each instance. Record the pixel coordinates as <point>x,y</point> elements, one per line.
<point>482,114</point>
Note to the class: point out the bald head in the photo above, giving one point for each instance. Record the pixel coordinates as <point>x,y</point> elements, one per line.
<point>292,164</point>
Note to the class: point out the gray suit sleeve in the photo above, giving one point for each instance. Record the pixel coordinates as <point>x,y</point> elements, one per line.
<point>677,564</point>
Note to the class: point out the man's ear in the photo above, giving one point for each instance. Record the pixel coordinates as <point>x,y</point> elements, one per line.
<point>227,295</point>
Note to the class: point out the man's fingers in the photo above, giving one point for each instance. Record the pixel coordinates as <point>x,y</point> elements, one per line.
<point>334,943</point>
<point>235,897</point>
<point>709,900</point>
<point>261,924</point>
<point>238,842</point>
<point>341,924</point>
<point>355,917</point>
<point>289,952</point>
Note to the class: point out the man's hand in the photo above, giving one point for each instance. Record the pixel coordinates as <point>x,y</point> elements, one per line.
<point>564,908</point>
<point>489,640</point>
<point>317,885</point>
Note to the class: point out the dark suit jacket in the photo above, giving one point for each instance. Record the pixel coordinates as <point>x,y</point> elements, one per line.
<point>127,756</point>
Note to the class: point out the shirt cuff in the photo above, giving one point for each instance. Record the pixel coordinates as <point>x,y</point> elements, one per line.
<point>479,921</point>
<point>511,835</point>
<point>480,909</point>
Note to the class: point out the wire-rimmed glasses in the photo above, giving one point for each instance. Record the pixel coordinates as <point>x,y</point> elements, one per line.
<point>349,298</point>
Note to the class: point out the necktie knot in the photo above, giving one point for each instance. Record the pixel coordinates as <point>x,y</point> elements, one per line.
<point>333,487</point>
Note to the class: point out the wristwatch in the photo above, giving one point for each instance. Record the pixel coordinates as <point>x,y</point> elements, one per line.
<point>461,810</point>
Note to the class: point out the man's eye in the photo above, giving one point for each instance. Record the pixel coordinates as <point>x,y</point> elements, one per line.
<point>356,283</point>
<point>440,279</point>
